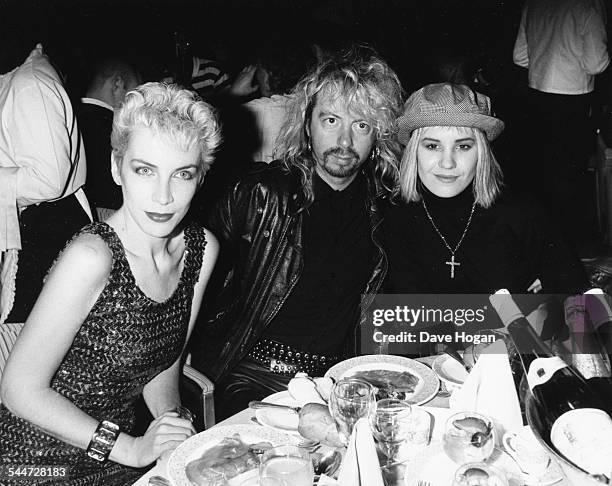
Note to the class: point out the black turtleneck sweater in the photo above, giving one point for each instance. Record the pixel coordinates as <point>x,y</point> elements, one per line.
<point>323,307</point>
<point>508,245</point>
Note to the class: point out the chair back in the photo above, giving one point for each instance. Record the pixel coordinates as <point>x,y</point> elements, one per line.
<point>8,335</point>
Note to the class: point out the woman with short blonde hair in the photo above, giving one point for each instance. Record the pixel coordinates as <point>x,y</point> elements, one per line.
<point>117,308</point>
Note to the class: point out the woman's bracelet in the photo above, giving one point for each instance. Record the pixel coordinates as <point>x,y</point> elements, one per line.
<point>103,440</point>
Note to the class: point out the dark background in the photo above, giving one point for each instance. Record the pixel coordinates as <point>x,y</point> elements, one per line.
<point>403,31</point>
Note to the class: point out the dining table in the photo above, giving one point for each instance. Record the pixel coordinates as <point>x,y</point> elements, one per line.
<point>438,406</point>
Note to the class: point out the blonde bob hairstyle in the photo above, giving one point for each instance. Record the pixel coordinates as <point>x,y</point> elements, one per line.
<point>178,114</point>
<point>487,182</point>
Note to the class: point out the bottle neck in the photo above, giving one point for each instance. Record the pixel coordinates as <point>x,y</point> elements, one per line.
<point>582,332</point>
<point>527,341</point>
<point>541,370</point>
<point>588,355</point>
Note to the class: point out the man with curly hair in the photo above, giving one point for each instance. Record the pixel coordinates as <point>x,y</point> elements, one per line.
<point>301,234</point>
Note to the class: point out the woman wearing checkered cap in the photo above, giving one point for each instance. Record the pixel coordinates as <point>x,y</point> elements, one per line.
<point>451,230</point>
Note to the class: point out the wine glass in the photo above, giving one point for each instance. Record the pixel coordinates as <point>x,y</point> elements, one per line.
<point>290,464</point>
<point>392,425</point>
<point>350,400</point>
<point>468,437</point>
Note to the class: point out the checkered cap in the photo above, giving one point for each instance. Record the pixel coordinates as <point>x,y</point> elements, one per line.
<point>446,104</point>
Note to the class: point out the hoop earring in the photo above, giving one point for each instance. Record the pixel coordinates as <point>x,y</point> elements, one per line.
<point>375,153</point>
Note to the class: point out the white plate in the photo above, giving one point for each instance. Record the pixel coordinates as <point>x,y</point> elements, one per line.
<point>194,447</point>
<point>449,370</point>
<point>281,420</point>
<point>424,391</point>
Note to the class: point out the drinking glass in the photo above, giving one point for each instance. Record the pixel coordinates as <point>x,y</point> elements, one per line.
<point>290,464</point>
<point>392,425</point>
<point>468,437</point>
<point>350,400</point>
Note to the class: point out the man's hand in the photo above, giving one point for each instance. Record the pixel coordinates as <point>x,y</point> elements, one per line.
<point>245,83</point>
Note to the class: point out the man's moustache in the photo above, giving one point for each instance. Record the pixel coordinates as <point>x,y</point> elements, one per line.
<point>341,152</point>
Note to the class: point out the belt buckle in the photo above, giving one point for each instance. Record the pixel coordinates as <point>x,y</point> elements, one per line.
<point>278,366</point>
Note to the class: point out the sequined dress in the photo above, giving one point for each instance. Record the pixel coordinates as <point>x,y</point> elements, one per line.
<point>125,341</point>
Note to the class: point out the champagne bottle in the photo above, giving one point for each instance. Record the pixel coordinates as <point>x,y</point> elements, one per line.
<point>567,405</point>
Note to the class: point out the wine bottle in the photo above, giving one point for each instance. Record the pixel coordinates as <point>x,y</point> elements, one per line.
<point>599,308</point>
<point>566,403</point>
<point>588,356</point>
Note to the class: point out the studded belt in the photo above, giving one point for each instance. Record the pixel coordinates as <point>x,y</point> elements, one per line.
<point>284,359</point>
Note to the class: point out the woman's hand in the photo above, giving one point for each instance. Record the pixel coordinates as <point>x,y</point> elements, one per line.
<point>164,434</point>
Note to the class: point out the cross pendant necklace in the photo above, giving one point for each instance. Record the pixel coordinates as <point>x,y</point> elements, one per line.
<point>452,263</point>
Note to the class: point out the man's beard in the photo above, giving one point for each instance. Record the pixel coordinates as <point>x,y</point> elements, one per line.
<point>340,170</point>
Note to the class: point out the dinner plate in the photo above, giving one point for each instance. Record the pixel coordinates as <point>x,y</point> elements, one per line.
<point>424,391</point>
<point>194,447</point>
<point>449,370</point>
<point>281,420</point>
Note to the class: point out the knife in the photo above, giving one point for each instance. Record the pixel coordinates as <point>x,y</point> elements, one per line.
<point>255,404</point>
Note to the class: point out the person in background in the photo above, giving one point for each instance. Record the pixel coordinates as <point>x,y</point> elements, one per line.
<point>301,235</point>
<point>117,307</point>
<point>563,44</point>
<point>42,173</point>
<point>451,228</point>
<point>279,69</point>
<point>111,79</point>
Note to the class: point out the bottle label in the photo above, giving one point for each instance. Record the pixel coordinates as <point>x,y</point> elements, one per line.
<point>542,369</point>
<point>584,436</point>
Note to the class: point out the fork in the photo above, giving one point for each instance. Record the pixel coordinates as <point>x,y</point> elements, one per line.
<point>423,483</point>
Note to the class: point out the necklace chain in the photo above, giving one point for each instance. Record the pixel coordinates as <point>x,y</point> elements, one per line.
<point>452,252</point>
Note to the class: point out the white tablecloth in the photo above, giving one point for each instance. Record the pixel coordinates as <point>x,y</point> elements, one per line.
<point>244,417</point>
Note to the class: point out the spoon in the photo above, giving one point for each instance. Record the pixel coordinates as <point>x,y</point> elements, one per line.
<point>255,404</point>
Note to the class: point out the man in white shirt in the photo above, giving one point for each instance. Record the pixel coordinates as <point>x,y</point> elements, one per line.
<point>563,44</point>
<point>42,171</point>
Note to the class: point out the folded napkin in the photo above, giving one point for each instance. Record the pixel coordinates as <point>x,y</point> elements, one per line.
<point>327,481</point>
<point>489,390</point>
<point>360,466</point>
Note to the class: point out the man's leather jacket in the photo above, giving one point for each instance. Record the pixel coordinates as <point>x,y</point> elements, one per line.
<point>259,226</point>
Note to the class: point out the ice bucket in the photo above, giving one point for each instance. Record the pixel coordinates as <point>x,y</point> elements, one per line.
<point>575,475</point>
